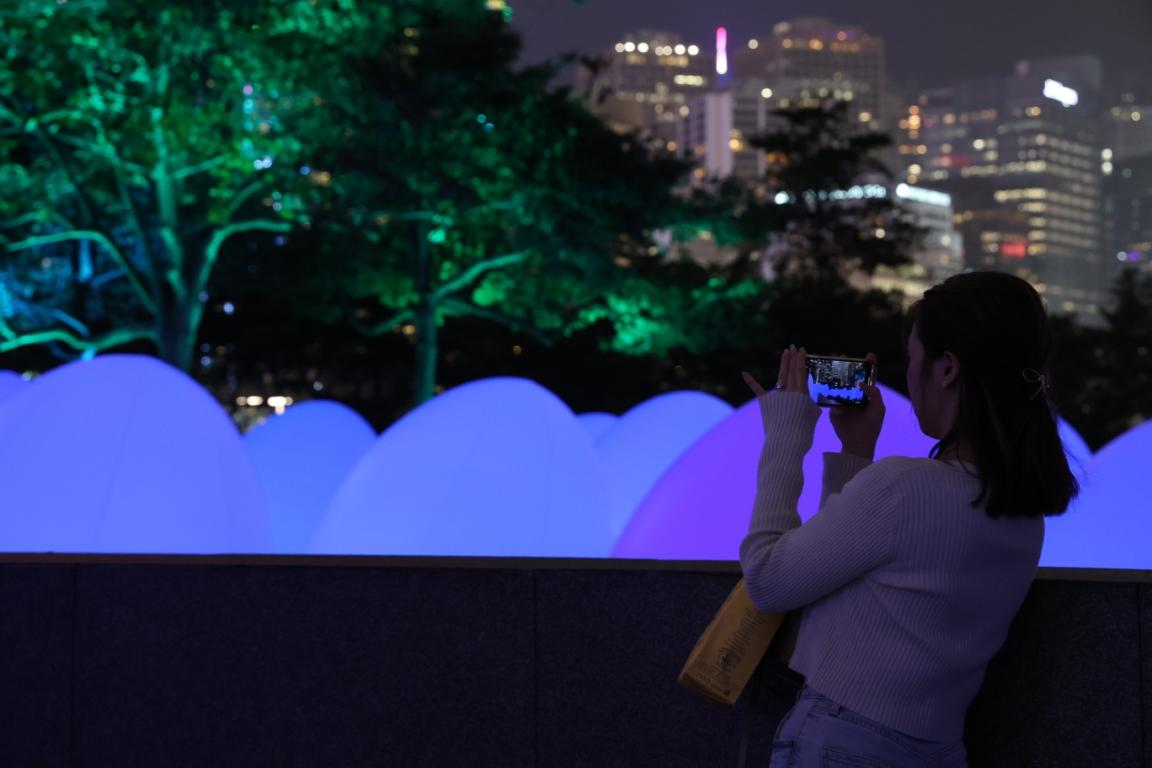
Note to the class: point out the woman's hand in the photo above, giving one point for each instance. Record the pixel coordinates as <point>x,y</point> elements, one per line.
<point>858,427</point>
<point>793,373</point>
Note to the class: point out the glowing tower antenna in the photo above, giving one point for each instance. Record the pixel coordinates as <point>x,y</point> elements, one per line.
<point>721,51</point>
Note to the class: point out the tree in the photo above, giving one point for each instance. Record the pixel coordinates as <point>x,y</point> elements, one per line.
<point>1102,377</point>
<point>824,206</point>
<point>138,139</point>
<point>470,189</point>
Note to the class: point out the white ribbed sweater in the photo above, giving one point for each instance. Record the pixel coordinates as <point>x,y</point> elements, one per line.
<point>907,589</point>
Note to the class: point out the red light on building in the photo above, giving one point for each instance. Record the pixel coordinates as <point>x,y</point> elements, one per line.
<point>1013,250</point>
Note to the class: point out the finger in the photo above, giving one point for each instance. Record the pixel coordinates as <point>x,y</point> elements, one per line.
<point>799,382</point>
<point>871,357</point>
<point>785,366</point>
<point>753,385</point>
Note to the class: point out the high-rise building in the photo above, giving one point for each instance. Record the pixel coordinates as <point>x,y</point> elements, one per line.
<point>719,126</point>
<point>1128,219</point>
<point>1129,131</point>
<point>647,81</point>
<point>1021,158</point>
<point>811,60</point>
<point>939,254</point>
<point>1126,161</point>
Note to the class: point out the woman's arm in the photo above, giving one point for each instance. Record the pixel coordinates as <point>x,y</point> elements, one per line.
<point>787,565</point>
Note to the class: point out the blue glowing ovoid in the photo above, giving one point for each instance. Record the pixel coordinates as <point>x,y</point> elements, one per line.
<point>699,509</point>
<point>301,457</point>
<point>596,423</point>
<point>494,467</point>
<point>1110,525</point>
<point>10,384</point>
<point>646,440</point>
<point>124,453</point>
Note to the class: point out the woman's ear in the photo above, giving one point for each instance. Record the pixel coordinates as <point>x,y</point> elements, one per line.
<point>949,369</point>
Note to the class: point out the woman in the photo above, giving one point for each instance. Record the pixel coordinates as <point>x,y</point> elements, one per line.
<point>913,569</point>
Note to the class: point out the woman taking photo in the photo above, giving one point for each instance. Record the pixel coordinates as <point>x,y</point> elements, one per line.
<point>913,569</point>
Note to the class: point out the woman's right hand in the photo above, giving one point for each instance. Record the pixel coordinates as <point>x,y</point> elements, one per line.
<point>858,427</point>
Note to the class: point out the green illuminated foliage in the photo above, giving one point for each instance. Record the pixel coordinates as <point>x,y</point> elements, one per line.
<point>139,140</point>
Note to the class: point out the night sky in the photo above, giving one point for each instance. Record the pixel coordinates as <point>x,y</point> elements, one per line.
<point>927,43</point>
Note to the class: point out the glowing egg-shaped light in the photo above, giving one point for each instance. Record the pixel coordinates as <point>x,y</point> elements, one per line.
<point>124,453</point>
<point>1110,525</point>
<point>700,508</point>
<point>301,457</point>
<point>1079,454</point>
<point>596,423</point>
<point>493,467</point>
<point>646,440</point>
<point>10,384</point>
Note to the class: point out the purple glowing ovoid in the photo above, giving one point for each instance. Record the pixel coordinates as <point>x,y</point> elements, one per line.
<point>124,453</point>
<point>494,467</point>
<point>301,457</point>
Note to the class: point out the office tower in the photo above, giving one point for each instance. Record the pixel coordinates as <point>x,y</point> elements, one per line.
<point>811,60</point>
<point>1021,158</point>
<point>939,254</point>
<point>646,81</point>
<point>719,126</point>
<point>1126,161</point>
<point>1129,129</point>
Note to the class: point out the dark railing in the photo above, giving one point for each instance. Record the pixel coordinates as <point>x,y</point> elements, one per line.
<point>281,661</point>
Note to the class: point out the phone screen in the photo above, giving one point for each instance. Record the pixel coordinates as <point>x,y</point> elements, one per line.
<point>835,380</point>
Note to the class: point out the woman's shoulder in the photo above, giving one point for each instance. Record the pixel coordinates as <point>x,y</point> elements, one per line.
<point>894,469</point>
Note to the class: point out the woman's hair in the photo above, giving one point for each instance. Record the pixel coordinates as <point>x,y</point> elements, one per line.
<point>996,326</point>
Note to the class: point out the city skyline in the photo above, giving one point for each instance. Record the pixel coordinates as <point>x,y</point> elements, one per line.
<point>985,41</point>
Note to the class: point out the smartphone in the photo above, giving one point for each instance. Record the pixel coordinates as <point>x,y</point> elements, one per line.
<point>836,380</point>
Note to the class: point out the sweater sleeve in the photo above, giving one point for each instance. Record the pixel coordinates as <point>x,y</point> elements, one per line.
<point>839,468</point>
<point>787,565</point>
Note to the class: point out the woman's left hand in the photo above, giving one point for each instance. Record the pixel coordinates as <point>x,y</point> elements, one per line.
<point>793,373</point>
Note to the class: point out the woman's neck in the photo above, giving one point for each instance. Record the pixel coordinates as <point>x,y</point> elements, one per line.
<point>959,450</point>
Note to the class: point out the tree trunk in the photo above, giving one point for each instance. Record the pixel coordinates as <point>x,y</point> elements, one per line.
<point>176,331</point>
<point>427,338</point>
<point>427,333</point>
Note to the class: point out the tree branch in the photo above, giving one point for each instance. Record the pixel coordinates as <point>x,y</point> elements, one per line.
<point>403,316</point>
<point>192,170</point>
<point>467,309</point>
<point>475,271</point>
<point>212,250</point>
<point>96,237</point>
<point>242,197</point>
<point>108,340</point>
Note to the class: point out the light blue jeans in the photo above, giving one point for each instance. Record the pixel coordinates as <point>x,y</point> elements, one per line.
<point>819,733</point>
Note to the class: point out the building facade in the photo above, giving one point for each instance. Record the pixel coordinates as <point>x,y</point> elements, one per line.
<point>1020,157</point>
<point>811,60</point>
<point>647,81</point>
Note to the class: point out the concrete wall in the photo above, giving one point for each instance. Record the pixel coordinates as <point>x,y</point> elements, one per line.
<point>381,662</point>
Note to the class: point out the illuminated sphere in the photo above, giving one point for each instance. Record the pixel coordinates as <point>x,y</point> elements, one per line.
<point>646,441</point>
<point>1079,454</point>
<point>301,457</point>
<point>493,467</point>
<point>124,453</point>
<point>700,508</point>
<point>1109,525</point>
<point>10,384</point>
<point>596,423</point>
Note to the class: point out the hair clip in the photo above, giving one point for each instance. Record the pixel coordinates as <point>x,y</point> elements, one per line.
<point>1033,376</point>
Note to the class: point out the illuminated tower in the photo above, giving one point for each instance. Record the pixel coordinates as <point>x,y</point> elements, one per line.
<point>811,60</point>
<point>648,80</point>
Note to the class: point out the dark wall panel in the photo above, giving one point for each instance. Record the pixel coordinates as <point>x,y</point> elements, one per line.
<point>35,665</point>
<point>610,647</point>
<point>1146,671</point>
<point>188,666</point>
<point>1065,689</point>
